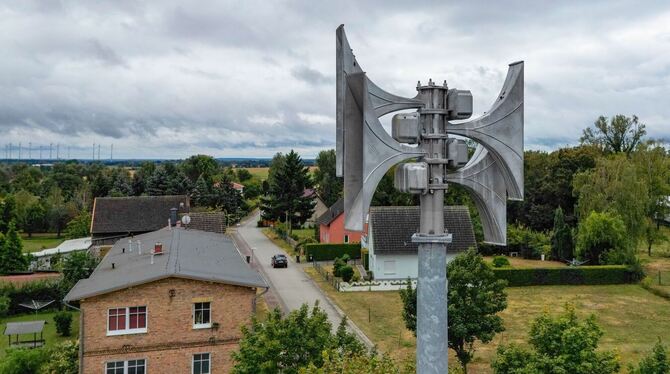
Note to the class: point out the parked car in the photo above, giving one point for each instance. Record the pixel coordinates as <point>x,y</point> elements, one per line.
<point>279,261</point>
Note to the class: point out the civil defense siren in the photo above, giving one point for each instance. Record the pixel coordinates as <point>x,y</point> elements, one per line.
<point>365,151</point>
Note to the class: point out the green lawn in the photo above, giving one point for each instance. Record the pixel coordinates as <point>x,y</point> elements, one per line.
<point>522,263</point>
<point>40,241</point>
<point>278,241</point>
<point>631,317</point>
<point>303,233</point>
<point>49,332</point>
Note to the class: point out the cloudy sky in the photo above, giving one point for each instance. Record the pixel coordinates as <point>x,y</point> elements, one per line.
<point>251,78</point>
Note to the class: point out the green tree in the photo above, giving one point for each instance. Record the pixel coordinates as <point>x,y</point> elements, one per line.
<point>286,344</point>
<point>286,200</point>
<point>653,165</point>
<point>158,183</point>
<point>562,246</point>
<point>11,253</point>
<point>621,135</point>
<point>328,185</point>
<point>79,226</point>
<point>202,192</point>
<point>656,362</point>
<point>62,359</point>
<point>243,175</point>
<point>615,185</point>
<point>336,362</point>
<point>76,266</point>
<point>63,322</point>
<point>475,298</point>
<point>7,212</point>
<point>56,210</point>
<point>563,344</point>
<point>23,361</point>
<point>227,198</point>
<point>198,165</point>
<point>601,237</point>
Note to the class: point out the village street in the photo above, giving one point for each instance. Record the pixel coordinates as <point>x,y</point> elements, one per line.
<point>289,287</point>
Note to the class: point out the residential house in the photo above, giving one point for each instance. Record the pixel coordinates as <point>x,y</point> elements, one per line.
<point>319,208</point>
<point>117,217</point>
<point>392,255</point>
<point>331,226</point>
<point>42,259</point>
<point>173,303</point>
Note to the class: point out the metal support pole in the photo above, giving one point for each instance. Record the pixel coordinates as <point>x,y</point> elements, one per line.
<point>431,327</point>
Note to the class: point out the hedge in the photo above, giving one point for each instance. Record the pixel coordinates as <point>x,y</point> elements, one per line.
<point>590,275</point>
<point>327,252</point>
<point>42,290</point>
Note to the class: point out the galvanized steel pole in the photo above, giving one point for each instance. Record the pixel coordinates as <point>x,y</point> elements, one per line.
<point>431,328</point>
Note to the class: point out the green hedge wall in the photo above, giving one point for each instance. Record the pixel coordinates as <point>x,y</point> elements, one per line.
<point>609,274</point>
<point>38,290</point>
<point>326,252</point>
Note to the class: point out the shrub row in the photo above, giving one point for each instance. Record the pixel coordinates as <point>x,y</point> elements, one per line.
<point>327,252</point>
<point>608,274</point>
<point>39,290</point>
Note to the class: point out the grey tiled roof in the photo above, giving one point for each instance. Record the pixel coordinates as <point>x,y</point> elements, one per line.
<point>208,221</point>
<point>188,254</point>
<point>134,214</point>
<point>392,228</point>
<point>333,212</point>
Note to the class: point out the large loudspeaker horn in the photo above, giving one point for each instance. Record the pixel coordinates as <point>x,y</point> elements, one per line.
<point>482,176</point>
<point>500,130</point>
<point>381,101</point>
<point>369,150</point>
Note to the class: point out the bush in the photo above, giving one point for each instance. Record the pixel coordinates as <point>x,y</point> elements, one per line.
<point>500,261</point>
<point>327,252</point>
<point>590,275</point>
<point>63,322</point>
<point>39,290</point>
<point>4,305</point>
<point>22,361</point>
<point>63,359</point>
<point>337,266</point>
<point>346,272</point>
<point>598,235</point>
<point>530,244</point>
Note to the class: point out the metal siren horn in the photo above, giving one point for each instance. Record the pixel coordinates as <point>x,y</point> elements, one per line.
<point>482,176</point>
<point>500,131</point>
<point>369,151</point>
<point>365,151</point>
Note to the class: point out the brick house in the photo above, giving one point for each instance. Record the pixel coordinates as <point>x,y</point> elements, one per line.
<point>331,226</point>
<point>173,303</point>
<point>117,217</point>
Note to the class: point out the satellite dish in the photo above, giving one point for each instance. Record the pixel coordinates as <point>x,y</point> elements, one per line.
<point>185,220</point>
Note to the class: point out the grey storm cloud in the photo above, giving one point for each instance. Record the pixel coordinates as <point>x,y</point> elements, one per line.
<point>252,78</point>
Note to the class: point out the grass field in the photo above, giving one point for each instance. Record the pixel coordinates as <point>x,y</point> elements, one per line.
<point>521,263</point>
<point>631,317</point>
<point>303,233</point>
<point>40,241</point>
<point>49,332</point>
<point>259,173</point>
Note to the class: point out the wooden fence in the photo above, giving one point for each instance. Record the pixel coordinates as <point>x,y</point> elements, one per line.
<point>327,276</point>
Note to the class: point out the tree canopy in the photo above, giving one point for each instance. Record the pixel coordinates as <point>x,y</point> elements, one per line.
<point>620,135</point>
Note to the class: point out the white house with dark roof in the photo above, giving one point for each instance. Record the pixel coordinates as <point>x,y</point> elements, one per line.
<point>42,259</point>
<point>392,255</point>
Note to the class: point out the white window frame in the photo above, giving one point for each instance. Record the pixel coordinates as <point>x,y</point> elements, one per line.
<point>202,325</point>
<point>128,330</point>
<point>209,361</point>
<point>125,364</point>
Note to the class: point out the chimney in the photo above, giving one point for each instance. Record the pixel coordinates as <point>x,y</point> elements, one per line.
<point>158,248</point>
<point>173,216</point>
<point>139,247</point>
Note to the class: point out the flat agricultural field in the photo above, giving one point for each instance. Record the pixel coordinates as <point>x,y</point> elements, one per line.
<point>260,173</point>
<point>40,241</point>
<point>49,332</point>
<point>631,317</point>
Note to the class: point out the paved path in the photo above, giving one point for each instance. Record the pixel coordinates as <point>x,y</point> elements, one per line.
<point>291,286</point>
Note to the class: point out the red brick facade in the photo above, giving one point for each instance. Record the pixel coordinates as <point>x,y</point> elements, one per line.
<point>170,341</point>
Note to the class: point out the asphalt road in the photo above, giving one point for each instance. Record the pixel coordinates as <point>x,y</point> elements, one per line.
<point>291,286</point>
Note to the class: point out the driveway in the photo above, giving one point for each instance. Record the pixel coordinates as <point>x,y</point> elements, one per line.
<point>291,286</point>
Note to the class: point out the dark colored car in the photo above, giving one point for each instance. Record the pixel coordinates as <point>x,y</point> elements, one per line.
<point>279,261</point>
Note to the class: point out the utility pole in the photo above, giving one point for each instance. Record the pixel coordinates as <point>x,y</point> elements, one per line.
<point>57,151</point>
<point>111,152</point>
<point>68,152</point>
<point>431,325</point>
<point>19,151</point>
<point>51,148</point>
<point>93,152</point>
<point>30,150</point>
<point>40,153</point>
<point>98,152</point>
